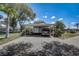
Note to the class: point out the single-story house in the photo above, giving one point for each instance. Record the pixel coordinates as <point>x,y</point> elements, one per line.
<point>40,28</point>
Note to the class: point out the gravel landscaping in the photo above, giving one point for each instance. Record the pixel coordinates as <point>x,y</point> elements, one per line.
<point>41,46</point>
<point>15,49</point>
<point>56,49</point>
<point>49,49</point>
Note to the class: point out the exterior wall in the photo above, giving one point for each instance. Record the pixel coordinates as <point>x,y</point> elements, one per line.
<point>36,30</point>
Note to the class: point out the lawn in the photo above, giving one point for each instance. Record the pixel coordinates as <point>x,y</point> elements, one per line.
<point>69,35</point>
<point>12,37</point>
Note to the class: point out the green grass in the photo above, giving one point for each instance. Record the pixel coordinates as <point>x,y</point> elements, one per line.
<point>69,35</point>
<point>12,37</point>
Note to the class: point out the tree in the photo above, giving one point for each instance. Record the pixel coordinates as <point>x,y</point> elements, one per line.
<point>11,12</point>
<point>58,28</point>
<point>77,25</point>
<point>13,23</point>
<point>14,12</point>
<point>25,13</point>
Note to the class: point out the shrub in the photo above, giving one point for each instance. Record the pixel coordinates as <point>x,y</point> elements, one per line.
<point>59,28</point>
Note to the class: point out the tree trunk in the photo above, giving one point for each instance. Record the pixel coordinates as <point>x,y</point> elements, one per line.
<point>7,28</point>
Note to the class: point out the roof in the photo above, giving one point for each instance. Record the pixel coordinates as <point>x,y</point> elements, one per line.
<point>40,24</point>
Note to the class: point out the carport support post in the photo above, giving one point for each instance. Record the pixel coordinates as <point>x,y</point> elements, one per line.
<point>50,31</point>
<point>53,31</point>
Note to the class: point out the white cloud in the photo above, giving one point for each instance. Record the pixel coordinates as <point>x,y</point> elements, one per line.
<point>36,19</point>
<point>53,17</point>
<point>72,23</point>
<point>44,16</point>
<point>60,19</point>
<point>53,23</point>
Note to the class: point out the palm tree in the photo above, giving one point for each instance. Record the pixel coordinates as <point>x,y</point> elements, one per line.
<point>17,11</point>
<point>11,12</point>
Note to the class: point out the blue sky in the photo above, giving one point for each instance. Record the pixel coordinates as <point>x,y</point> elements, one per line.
<point>48,12</point>
<point>69,12</point>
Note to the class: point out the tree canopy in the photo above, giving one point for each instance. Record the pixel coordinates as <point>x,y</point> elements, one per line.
<point>58,28</point>
<point>16,11</point>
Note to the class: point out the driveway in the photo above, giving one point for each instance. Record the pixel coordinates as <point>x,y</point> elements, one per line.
<point>38,41</point>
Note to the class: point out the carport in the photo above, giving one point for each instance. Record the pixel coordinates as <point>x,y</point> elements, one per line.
<point>37,28</point>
